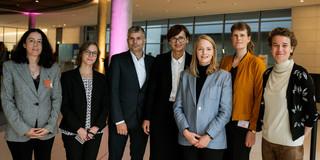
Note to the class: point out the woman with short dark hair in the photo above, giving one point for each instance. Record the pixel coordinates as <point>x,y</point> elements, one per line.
<point>164,81</point>
<point>31,97</point>
<point>84,105</point>
<point>288,108</point>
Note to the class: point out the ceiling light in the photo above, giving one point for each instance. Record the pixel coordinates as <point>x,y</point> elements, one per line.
<point>137,5</point>
<point>301,1</point>
<point>64,24</point>
<point>37,1</point>
<point>234,3</point>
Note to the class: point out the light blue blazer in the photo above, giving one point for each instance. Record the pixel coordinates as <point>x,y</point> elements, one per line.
<point>23,104</point>
<point>212,112</point>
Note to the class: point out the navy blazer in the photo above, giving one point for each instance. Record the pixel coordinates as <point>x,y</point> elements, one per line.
<point>210,114</point>
<point>160,86</point>
<point>127,98</point>
<point>74,102</point>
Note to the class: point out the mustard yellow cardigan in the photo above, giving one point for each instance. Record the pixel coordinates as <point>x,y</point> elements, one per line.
<point>247,89</point>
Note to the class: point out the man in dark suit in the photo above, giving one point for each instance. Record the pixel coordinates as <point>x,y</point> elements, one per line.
<point>164,80</point>
<point>129,76</point>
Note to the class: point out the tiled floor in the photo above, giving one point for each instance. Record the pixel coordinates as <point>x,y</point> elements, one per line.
<point>58,152</point>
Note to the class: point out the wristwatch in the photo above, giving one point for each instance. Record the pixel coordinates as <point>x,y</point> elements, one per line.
<point>253,131</point>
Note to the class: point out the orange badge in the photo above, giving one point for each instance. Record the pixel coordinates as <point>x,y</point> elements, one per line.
<point>48,83</point>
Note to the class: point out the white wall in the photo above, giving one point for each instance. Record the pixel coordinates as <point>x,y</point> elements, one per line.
<point>71,35</point>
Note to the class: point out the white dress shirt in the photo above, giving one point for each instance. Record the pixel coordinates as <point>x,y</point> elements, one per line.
<point>177,66</point>
<point>140,70</point>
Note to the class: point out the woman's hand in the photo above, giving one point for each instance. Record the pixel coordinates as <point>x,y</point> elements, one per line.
<point>250,139</point>
<point>82,134</point>
<point>33,133</point>
<point>191,137</point>
<point>203,141</point>
<point>93,130</point>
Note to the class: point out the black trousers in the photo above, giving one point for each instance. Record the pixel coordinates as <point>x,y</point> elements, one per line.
<point>164,139</point>
<point>117,143</point>
<point>23,150</point>
<point>193,153</point>
<point>236,137</point>
<point>77,151</point>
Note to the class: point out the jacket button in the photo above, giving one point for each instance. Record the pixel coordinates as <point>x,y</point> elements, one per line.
<point>37,104</point>
<point>199,108</point>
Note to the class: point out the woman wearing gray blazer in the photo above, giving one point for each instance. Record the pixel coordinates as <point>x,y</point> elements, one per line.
<point>31,97</point>
<point>203,104</point>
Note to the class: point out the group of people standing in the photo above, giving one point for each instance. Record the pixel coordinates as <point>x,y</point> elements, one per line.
<point>191,108</point>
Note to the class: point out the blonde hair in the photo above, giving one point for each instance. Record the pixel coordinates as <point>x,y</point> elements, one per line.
<point>194,61</point>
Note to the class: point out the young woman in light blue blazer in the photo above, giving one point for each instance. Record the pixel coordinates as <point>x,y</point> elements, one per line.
<point>203,104</point>
<point>31,97</point>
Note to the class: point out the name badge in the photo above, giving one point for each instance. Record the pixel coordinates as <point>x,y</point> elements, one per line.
<point>243,124</point>
<point>48,83</point>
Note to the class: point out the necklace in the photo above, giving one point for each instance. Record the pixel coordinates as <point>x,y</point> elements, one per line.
<point>34,70</point>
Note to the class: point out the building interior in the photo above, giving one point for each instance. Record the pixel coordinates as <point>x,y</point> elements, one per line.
<point>68,23</point>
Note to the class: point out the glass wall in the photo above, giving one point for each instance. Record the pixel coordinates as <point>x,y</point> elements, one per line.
<point>216,26</point>
<point>10,36</point>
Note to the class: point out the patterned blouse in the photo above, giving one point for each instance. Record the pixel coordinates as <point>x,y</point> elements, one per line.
<point>301,101</point>
<point>87,82</point>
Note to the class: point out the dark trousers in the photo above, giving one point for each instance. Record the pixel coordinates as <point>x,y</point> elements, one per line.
<point>193,153</point>
<point>23,150</point>
<point>117,143</point>
<point>77,151</point>
<point>236,148</point>
<point>164,139</point>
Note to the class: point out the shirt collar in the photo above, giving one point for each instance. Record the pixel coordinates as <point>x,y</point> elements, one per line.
<point>135,57</point>
<point>181,59</point>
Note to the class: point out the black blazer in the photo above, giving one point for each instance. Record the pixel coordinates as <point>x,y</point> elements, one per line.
<point>157,105</point>
<point>127,99</point>
<point>74,102</point>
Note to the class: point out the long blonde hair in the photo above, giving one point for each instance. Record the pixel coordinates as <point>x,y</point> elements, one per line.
<point>194,61</point>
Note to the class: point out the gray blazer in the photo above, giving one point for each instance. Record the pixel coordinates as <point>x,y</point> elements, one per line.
<point>212,112</point>
<point>23,104</point>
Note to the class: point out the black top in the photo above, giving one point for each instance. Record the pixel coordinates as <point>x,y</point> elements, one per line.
<point>201,79</point>
<point>36,81</point>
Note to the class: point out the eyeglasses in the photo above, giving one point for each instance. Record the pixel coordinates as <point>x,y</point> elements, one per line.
<point>88,52</point>
<point>180,39</point>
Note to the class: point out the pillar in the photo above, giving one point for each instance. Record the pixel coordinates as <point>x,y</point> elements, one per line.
<point>32,20</point>
<point>121,20</point>
<point>102,29</point>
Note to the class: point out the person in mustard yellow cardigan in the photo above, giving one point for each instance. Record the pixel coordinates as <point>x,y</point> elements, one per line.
<point>246,71</point>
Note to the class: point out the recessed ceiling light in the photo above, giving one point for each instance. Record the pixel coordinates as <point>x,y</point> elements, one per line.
<point>64,24</point>
<point>301,1</point>
<point>234,3</point>
<point>37,1</point>
<point>54,25</point>
<point>137,5</point>
<point>197,7</point>
<point>166,11</point>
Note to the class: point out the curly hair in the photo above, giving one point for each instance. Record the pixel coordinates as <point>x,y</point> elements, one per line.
<point>279,31</point>
<point>19,54</point>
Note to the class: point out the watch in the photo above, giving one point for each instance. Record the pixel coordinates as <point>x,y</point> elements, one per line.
<point>253,131</point>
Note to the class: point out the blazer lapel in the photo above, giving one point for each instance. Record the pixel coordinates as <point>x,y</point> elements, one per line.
<point>79,79</point>
<point>168,67</point>
<point>209,80</point>
<point>23,70</point>
<point>44,76</point>
<point>132,67</point>
<point>192,84</point>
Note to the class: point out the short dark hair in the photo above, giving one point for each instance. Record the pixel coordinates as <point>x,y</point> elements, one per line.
<point>279,31</point>
<point>135,29</point>
<point>175,30</point>
<point>83,48</point>
<point>46,59</point>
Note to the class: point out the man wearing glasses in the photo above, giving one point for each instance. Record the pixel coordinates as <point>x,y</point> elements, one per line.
<point>129,76</point>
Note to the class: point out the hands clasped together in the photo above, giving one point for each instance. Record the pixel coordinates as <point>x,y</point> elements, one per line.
<point>87,135</point>
<point>197,140</point>
<point>37,133</point>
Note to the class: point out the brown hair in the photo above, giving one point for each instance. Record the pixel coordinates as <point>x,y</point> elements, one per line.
<point>283,32</point>
<point>2,47</point>
<point>82,49</point>
<point>175,30</point>
<point>241,26</point>
<point>194,61</point>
